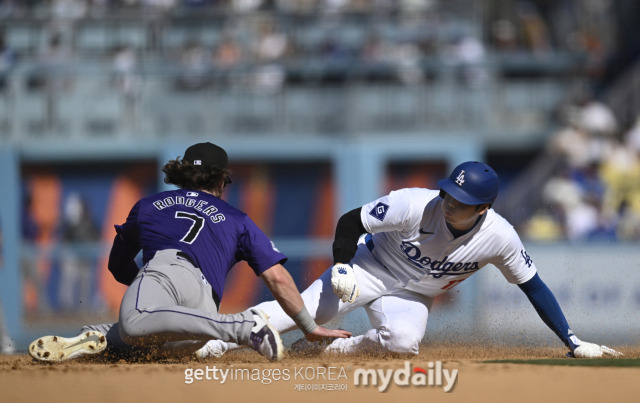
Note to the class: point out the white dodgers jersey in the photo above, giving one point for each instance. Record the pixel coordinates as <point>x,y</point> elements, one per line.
<point>412,241</point>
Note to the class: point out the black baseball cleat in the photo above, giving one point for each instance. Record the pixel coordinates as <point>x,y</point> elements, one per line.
<point>264,338</point>
<point>59,349</point>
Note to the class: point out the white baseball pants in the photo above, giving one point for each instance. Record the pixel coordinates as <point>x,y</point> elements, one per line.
<point>398,317</point>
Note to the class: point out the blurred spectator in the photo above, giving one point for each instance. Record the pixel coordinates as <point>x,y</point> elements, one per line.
<point>128,82</point>
<point>195,67</point>
<point>407,58</point>
<point>246,6</point>
<point>415,6</point>
<point>560,190</point>
<point>564,195</point>
<point>467,53</point>
<point>160,6</point>
<point>8,60</point>
<point>7,63</point>
<point>228,58</point>
<point>53,72</point>
<point>229,53</point>
<point>620,171</point>
<point>374,51</point>
<point>598,119</point>
<point>546,224</point>
<point>590,183</point>
<point>503,36</point>
<point>579,212</point>
<point>64,16</point>
<point>68,11</point>
<point>332,50</point>
<point>272,44</point>
<point>333,6</point>
<point>79,231</point>
<point>574,144</point>
<point>589,133</point>
<point>270,49</point>
<point>268,78</point>
<point>581,220</point>
<point>629,223</point>
<point>534,30</point>
<point>632,137</point>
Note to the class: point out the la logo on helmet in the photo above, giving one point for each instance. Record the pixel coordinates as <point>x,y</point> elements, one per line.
<point>460,178</point>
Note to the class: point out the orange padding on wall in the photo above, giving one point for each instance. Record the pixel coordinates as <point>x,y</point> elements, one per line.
<point>124,194</point>
<point>45,191</point>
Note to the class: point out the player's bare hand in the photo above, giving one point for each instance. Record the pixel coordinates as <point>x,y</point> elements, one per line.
<point>343,282</point>
<point>323,333</point>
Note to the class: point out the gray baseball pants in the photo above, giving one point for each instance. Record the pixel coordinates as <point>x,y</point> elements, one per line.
<point>170,304</point>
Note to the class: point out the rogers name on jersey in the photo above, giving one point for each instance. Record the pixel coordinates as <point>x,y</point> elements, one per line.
<point>437,268</point>
<point>193,203</point>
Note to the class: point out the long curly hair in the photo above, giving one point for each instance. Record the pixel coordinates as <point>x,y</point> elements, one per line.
<point>188,176</point>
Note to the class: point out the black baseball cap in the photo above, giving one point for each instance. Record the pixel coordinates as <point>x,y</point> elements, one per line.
<point>207,155</point>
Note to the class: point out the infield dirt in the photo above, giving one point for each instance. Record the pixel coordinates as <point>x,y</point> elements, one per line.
<point>148,381</point>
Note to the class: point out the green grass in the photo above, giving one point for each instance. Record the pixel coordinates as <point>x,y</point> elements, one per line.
<point>598,362</point>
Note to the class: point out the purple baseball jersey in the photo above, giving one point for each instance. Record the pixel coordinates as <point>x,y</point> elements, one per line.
<point>212,233</point>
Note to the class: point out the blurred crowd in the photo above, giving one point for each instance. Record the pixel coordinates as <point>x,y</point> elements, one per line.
<point>594,193</point>
<point>537,26</point>
<point>298,6</point>
<point>391,40</point>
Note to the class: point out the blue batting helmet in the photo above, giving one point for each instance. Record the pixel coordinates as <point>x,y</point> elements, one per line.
<point>471,183</point>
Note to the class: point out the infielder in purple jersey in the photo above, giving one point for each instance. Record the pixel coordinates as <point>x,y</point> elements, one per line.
<point>418,244</point>
<point>190,239</point>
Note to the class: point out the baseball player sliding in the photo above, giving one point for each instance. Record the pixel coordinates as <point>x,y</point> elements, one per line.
<point>420,243</point>
<point>190,239</point>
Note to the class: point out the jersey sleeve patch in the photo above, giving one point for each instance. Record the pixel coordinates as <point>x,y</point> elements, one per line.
<point>379,211</point>
<point>273,246</point>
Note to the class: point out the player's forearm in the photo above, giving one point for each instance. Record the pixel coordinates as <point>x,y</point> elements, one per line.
<point>547,306</point>
<point>121,261</point>
<point>348,230</point>
<point>281,285</point>
<point>285,291</point>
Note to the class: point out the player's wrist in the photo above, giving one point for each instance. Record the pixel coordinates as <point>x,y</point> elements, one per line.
<point>572,341</point>
<point>304,321</point>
